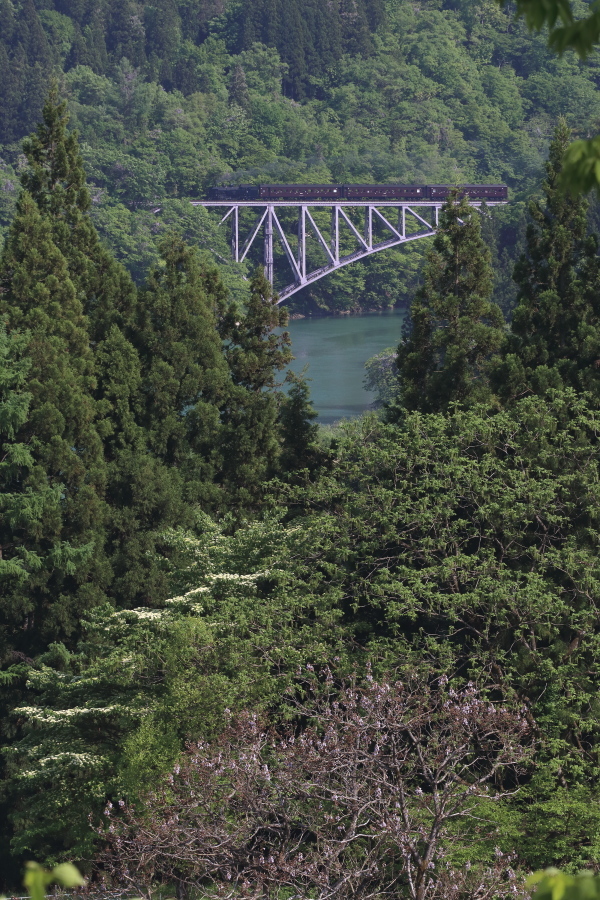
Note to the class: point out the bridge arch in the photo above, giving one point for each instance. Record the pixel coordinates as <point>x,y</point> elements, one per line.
<point>268,228</point>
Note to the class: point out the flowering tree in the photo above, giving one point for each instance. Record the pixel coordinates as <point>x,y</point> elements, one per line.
<point>362,802</point>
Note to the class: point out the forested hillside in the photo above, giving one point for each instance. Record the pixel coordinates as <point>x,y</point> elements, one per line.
<point>170,98</point>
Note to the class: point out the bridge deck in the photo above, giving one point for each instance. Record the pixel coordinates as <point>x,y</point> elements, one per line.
<point>330,203</point>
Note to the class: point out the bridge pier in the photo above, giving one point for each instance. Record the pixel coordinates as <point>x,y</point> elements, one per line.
<point>268,254</point>
<point>235,234</point>
<point>302,242</point>
<point>369,227</point>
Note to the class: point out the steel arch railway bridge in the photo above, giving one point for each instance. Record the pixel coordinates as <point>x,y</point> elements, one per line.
<point>378,232</point>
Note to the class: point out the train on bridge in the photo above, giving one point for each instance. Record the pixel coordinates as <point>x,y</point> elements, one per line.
<point>300,193</point>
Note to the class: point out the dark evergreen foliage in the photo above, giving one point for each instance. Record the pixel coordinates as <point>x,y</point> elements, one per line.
<point>25,67</point>
<point>66,456</point>
<point>465,545</point>
<point>555,330</point>
<point>143,491</point>
<point>55,179</point>
<point>255,353</point>
<point>311,36</point>
<point>299,430</point>
<point>186,379</point>
<point>454,326</point>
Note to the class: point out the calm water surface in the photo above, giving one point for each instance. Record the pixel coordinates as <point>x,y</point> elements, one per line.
<point>335,350</point>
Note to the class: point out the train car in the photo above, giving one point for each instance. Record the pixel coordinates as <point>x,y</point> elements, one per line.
<point>356,192</point>
<point>486,191</point>
<point>383,191</point>
<point>300,191</point>
<point>472,191</point>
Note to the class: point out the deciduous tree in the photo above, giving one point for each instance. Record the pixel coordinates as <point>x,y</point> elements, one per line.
<point>364,802</point>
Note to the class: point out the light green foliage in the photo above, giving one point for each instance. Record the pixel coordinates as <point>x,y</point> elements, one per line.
<point>459,94</point>
<point>464,544</point>
<point>471,541</point>
<point>569,28</point>
<point>37,879</point>
<point>552,884</point>
<point>382,376</point>
<point>106,721</point>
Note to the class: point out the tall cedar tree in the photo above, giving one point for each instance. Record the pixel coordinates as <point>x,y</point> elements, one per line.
<point>56,181</point>
<point>255,352</point>
<point>186,380</point>
<point>21,513</point>
<point>454,326</point>
<point>298,428</point>
<point>555,332</point>
<point>143,495</point>
<point>17,512</point>
<point>37,297</point>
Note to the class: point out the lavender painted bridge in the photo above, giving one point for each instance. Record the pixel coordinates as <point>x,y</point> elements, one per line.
<point>412,221</point>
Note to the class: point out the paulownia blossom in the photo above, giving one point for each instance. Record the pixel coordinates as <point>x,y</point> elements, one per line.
<point>365,800</point>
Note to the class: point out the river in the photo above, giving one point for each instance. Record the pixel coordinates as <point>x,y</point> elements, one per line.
<point>335,349</point>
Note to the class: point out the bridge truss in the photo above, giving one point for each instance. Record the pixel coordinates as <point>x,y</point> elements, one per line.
<point>378,232</point>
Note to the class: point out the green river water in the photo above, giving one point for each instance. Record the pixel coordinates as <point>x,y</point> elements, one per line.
<point>335,350</point>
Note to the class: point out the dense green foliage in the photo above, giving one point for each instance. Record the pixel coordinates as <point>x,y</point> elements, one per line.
<point>570,27</point>
<point>63,475</point>
<point>555,330</point>
<point>454,326</point>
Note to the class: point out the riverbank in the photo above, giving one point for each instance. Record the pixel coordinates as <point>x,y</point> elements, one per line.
<point>337,313</point>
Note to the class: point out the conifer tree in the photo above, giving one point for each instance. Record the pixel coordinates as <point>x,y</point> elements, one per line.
<point>163,30</point>
<point>238,87</point>
<point>16,512</point>
<point>39,299</point>
<point>95,41</point>
<point>298,428</point>
<point>454,326</point>
<point>126,34</point>
<point>555,331</point>
<point>255,353</point>
<point>186,377</point>
<point>10,96</point>
<point>55,179</point>
<point>143,495</point>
